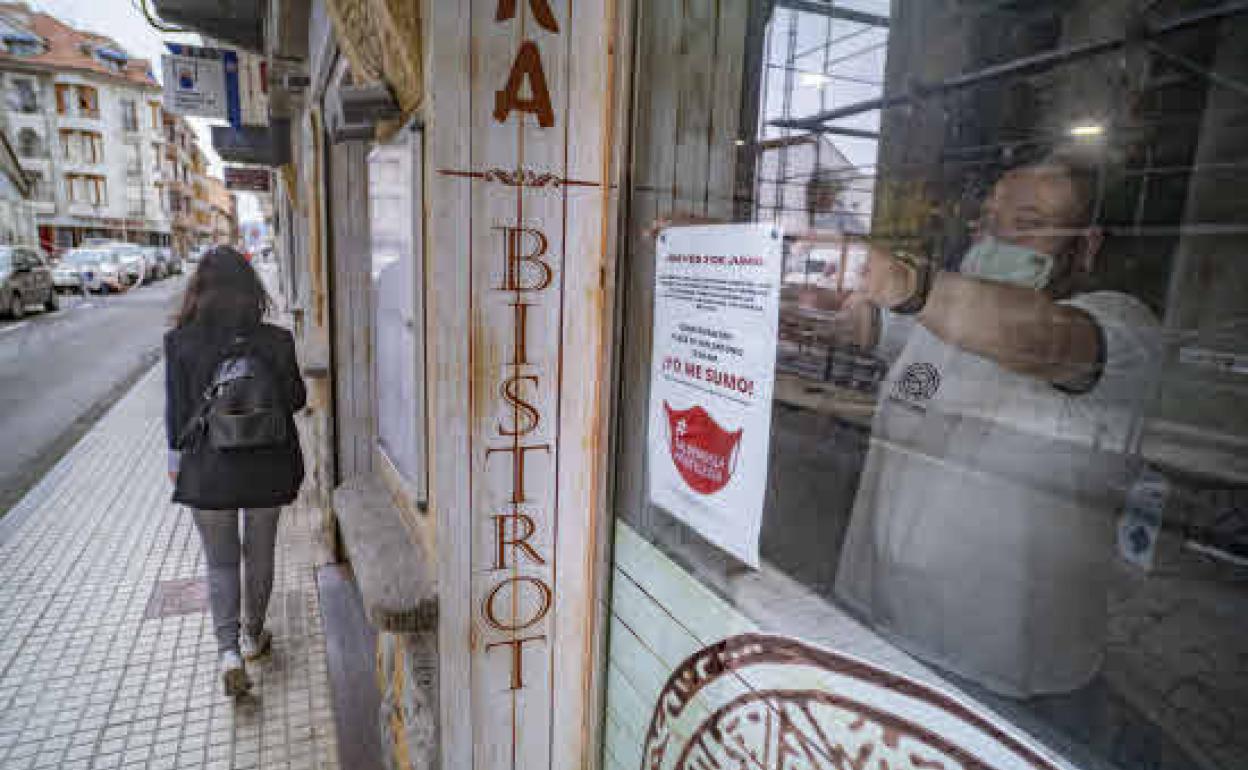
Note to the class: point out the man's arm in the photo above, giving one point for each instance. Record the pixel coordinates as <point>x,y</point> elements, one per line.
<point>1021,329</point>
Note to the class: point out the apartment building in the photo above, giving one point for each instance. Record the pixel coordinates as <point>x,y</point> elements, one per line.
<point>222,212</point>
<point>174,180</point>
<point>86,121</point>
<point>201,205</point>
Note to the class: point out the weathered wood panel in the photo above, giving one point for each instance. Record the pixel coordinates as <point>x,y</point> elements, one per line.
<point>448,284</point>
<point>518,158</point>
<point>681,651</point>
<point>349,257</point>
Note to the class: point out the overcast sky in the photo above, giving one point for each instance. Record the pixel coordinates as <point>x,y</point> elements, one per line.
<point>124,22</point>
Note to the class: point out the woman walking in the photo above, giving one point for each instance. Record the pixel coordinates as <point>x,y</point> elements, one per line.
<point>232,386</point>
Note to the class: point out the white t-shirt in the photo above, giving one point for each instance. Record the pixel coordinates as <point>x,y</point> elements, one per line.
<point>982,532</point>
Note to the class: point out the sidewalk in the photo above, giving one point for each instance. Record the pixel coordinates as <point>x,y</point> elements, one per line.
<point>107,658</point>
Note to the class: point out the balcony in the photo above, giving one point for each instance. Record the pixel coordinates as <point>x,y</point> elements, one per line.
<point>39,164</point>
<point>80,166</point>
<point>85,121</point>
<point>89,210</point>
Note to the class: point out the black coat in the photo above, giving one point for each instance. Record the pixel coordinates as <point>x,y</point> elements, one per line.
<point>208,479</point>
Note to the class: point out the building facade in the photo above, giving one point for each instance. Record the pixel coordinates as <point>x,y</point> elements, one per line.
<point>223,213</point>
<point>85,119</point>
<point>17,213</point>
<point>618,494</point>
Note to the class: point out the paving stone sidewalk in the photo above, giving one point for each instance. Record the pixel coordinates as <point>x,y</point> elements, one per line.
<point>107,658</point>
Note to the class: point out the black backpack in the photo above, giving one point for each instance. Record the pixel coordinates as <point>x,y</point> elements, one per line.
<point>244,406</point>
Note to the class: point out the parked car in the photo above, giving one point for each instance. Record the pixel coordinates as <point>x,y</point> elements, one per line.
<point>137,269</point>
<point>172,261</point>
<point>157,263</point>
<point>25,279</point>
<point>98,269</point>
<point>66,274</point>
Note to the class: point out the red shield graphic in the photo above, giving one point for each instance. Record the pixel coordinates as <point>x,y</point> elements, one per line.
<point>704,453</point>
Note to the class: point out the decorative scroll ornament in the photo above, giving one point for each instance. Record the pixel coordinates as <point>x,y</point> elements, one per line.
<point>520,178</point>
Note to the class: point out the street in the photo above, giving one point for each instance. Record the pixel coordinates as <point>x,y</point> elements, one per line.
<point>60,371</point>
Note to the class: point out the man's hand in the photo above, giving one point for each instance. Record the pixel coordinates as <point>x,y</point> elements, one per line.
<point>173,476</point>
<point>887,281</point>
<point>859,321</point>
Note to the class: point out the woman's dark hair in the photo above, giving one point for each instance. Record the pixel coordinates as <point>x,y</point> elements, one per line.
<point>224,293</point>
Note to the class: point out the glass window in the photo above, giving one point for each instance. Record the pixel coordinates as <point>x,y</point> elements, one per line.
<point>23,96</point>
<point>129,115</point>
<point>1006,425</point>
<point>29,144</point>
<point>82,188</point>
<point>398,318</point>
<point>88,101</point>
<point>134,160</point>
<point>39,186</point>
<point>23,47</point>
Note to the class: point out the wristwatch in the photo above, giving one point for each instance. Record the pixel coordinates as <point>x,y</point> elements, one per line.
<point>922,285</point>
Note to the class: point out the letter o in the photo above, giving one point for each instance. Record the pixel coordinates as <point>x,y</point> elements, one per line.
<point>492,618</point>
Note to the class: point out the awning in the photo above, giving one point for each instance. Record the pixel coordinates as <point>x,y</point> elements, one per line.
<point>112,54</point>
<point>381,40</point>
<point>20,36</point>
<point>235,22</point>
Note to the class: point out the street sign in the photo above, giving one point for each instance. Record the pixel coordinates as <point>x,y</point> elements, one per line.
<point>201,82</point>
<point>246,178</point>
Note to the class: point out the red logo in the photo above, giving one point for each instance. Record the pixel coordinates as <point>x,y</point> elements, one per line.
<point>704,453</point>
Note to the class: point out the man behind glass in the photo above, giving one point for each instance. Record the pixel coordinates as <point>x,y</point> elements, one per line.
<point>982,532</point>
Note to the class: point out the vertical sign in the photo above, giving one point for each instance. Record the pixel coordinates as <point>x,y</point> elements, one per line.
<point>716,309</point>
<point>519,203</point>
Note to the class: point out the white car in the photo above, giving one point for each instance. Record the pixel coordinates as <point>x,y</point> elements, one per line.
<point>91,269</point>
<point>137,268</point>
<point>67,275</point>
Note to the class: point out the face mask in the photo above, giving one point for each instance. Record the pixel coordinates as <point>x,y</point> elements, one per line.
<point>996,260</point>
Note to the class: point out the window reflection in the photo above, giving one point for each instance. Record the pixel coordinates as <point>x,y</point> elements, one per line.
<point>1008,431</point>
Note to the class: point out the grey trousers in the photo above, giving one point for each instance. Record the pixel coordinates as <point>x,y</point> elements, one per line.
<point>225,554</point>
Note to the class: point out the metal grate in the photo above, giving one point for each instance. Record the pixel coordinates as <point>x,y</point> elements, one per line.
<point>177,597</point>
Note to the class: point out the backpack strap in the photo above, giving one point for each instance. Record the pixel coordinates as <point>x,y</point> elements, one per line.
<point>198,422</point>
<point>195,426</point>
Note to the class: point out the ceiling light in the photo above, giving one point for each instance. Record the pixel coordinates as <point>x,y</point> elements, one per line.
<point>1087,130</point>
<point>813,79</point>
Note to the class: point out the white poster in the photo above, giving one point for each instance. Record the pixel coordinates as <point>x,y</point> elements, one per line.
<point>195,86</point>
<point>716,307</point>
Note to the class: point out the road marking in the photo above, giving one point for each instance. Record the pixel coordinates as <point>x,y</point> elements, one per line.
<point>13,328</point>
